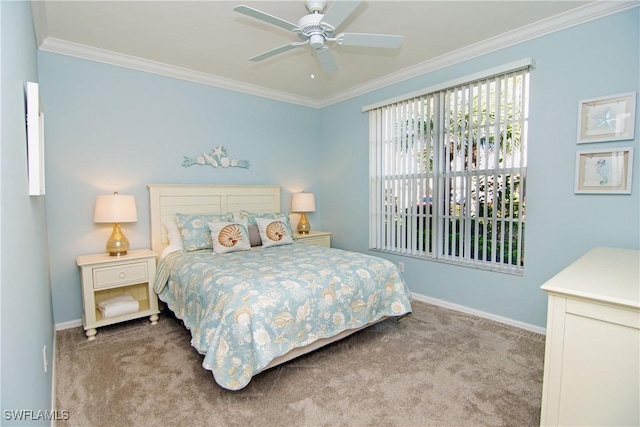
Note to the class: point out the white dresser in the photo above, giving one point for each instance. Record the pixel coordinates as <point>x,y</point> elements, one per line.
<point>592,355</point>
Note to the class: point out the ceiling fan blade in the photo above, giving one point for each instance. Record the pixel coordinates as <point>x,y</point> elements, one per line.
<point>369,40</point>
<point>273,52</point>
<point>338,12</point>
<point>326,61</point>
<point>255,13</point>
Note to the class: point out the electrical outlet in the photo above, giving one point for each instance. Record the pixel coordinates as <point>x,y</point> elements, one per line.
<point>44,356</point>
<point>401,266</point>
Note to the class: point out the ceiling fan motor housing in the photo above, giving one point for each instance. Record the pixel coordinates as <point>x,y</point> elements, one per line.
<point>313,31</point>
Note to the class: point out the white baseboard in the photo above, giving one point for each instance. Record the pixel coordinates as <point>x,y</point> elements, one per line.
<point>68,325</point>
<point>474,312</point>
<point>429,300</point>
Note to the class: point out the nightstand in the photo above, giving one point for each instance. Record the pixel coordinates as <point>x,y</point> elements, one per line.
<point>105,276</point>
<point>322,238</point>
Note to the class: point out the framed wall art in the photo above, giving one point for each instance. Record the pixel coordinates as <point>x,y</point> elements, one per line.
<point>610,118</point>
<point>604,171</point>
<point>35,140</point>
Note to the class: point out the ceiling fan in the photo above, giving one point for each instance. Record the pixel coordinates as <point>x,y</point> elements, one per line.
<point>318,29</point>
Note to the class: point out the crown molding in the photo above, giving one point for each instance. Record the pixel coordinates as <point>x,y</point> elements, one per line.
<point>113,58</point>
<point>586,13</point>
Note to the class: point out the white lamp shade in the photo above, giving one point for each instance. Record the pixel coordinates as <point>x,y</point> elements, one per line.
<point>303,202</point>
<point>115,208</point>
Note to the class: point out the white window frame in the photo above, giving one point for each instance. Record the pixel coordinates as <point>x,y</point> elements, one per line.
<point>417,176</point>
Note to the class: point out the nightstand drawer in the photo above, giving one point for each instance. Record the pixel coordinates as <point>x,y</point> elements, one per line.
<point>105,277</point>
<point>322,238</point>
<point>317,240</point>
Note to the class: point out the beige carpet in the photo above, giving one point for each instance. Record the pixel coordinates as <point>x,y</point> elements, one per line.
<point>436,368</point>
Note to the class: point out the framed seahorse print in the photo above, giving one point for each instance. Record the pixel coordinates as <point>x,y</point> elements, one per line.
<point>604,171</point>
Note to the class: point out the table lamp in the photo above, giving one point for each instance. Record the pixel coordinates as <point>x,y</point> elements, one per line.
<point>116,209</point>
<point>302,203</point>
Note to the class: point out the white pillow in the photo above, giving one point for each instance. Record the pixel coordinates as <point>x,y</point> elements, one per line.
<point>229,236</point>
<point>173,235</point>
<point>274,232</point>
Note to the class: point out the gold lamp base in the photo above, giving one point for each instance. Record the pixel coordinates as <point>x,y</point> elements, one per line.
<point>303,226</point>
<point>117,244</point>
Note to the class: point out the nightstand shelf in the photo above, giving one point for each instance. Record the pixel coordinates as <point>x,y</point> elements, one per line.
<point>105,276</point>
<point>136,291</point>
<point>322,238</point>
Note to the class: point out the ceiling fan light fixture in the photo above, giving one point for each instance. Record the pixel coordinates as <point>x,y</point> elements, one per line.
<point>316,41</point>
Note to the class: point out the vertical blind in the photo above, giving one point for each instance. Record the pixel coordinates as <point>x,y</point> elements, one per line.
<point>448,172</point>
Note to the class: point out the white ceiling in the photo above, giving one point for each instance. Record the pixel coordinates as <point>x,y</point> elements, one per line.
<point>207,41</point>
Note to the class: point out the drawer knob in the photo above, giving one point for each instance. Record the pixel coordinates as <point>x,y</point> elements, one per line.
<point>123,274</point>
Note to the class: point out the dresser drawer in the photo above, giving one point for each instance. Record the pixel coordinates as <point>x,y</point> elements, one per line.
<point>105,277</point>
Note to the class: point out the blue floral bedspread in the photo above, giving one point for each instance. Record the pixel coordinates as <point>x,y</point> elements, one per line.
<point>246,308</point>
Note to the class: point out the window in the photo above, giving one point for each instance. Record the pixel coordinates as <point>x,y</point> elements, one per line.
<point>448,172</point>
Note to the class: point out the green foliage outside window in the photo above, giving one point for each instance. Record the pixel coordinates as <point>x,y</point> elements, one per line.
<point>491,216</point>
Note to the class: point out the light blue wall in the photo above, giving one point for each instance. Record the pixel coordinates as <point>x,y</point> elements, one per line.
<point>595,59</point>
<point>115,129</point>
<point>26,312</point>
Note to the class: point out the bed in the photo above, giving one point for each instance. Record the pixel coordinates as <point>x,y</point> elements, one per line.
<point>254,308</point>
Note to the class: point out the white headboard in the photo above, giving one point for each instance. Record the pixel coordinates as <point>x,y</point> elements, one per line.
<point>165,200</point>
